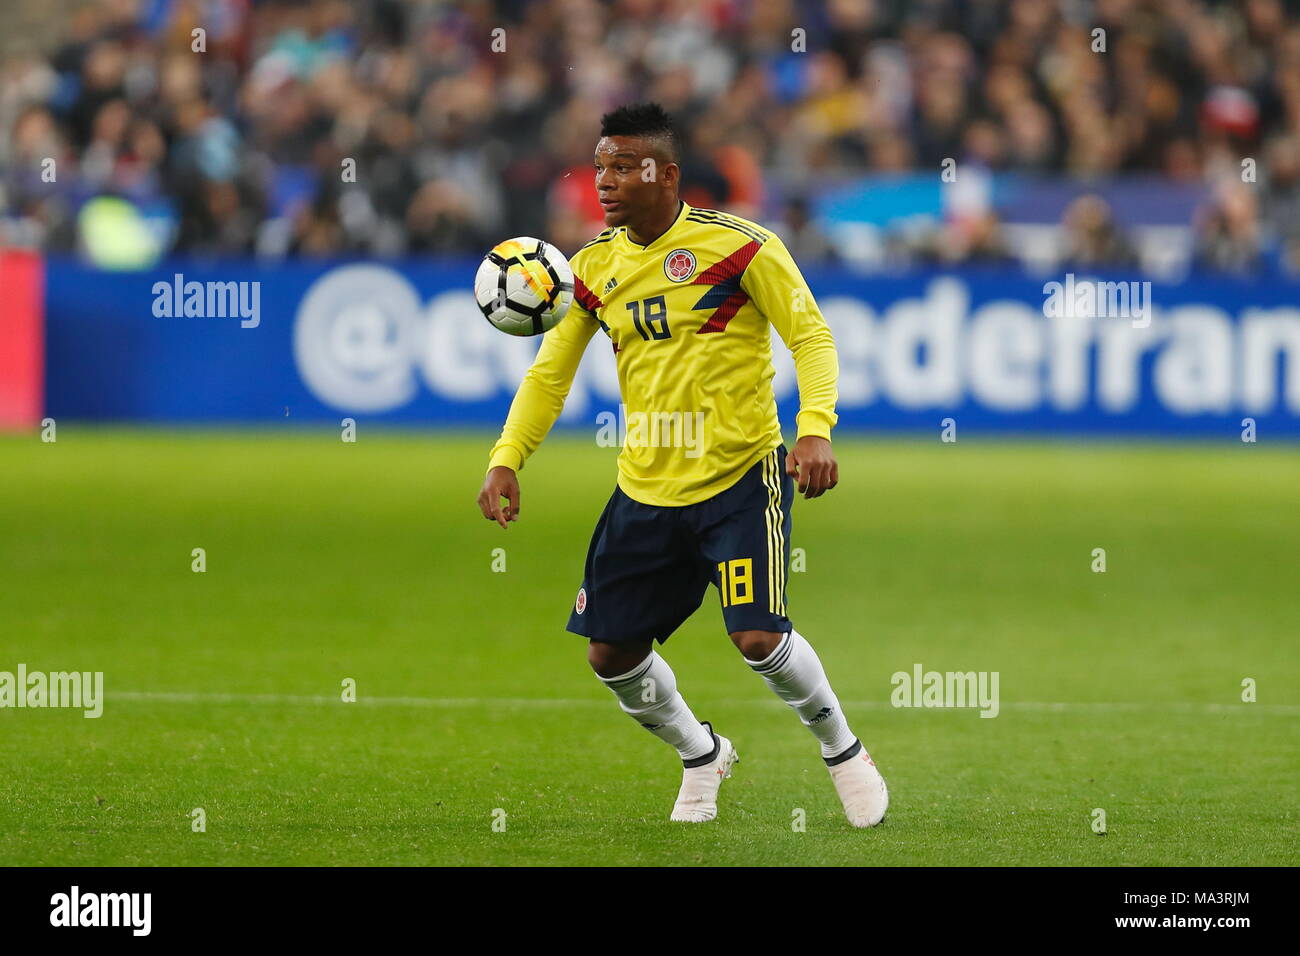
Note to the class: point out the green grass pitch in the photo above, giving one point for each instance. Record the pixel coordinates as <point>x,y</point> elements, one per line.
<point>326,561</point>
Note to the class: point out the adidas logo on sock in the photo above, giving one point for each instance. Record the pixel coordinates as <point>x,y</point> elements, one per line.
<point>821,715</point>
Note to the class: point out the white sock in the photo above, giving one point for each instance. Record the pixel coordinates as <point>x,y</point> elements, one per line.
<point>648,694</point>
<point>795,674</point>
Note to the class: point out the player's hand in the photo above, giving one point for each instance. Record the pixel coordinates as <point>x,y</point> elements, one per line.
<point>500,483</point>
<point>812,464</point>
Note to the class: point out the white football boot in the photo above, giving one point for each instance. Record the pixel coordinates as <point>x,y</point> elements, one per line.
<point>697,800</point>
<point>860,786</point>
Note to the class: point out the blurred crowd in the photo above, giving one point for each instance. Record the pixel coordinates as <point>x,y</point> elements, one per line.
<point>308,128</point>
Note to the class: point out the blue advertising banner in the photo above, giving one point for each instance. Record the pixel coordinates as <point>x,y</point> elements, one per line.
<point>1000,351</point>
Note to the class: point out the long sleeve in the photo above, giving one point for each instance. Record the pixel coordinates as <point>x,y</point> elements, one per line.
<point>776,286</point>
<point>540,398</point>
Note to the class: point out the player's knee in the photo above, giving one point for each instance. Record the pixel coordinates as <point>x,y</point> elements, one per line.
<point>756,645</point>
<point>610,660</point>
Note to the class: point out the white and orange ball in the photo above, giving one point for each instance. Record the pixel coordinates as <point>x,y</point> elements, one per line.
<point>524,286</point>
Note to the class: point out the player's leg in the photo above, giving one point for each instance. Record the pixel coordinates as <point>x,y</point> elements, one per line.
<point>750,547</point>
<point>647,692</point>
<point>646,689</point>
<point>790,666</point>
<point>637,587</point>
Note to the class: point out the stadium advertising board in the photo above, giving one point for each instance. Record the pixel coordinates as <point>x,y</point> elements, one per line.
<point>995,351</point>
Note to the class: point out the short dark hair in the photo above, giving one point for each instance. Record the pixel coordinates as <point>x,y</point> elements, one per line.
<point>644,119</point>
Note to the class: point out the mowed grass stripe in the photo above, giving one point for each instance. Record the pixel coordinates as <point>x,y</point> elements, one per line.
<point>1172,707</point>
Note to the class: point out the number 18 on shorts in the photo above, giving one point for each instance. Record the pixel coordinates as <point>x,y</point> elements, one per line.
<point>648,566</point>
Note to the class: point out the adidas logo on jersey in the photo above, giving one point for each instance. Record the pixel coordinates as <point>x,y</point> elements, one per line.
<point>609,285</point>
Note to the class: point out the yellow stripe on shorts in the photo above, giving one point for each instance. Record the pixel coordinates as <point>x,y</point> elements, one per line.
<point>772,516</point>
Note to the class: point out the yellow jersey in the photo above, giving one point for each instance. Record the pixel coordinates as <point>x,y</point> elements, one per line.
<point>688,317</point>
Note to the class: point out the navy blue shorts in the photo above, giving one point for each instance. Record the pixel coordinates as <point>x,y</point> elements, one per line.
<point>649,566</point>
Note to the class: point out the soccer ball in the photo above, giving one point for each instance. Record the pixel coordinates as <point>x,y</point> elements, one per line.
<point>524,286</point>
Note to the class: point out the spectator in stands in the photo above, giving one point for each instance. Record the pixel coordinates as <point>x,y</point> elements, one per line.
<point>1228,234</point>
<point>1092,238</point>
<point>456,142</point>
<point>1282,207</point>
<point>801,234</point>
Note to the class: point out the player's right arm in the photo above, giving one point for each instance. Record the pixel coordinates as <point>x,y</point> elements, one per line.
<point>536,406</point>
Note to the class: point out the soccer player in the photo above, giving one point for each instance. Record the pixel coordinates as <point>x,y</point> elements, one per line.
<point>686,296</point>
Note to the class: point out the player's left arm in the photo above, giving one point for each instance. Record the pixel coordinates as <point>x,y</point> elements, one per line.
<point>775,284</point>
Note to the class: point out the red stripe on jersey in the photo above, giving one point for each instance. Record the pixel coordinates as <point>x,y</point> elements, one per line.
<point>723,314</point>
<point>725,276</point>
<point>586,298</point>
<point>732,267</point>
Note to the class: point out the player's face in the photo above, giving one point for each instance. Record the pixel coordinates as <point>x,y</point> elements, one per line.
<point>627,179</point>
